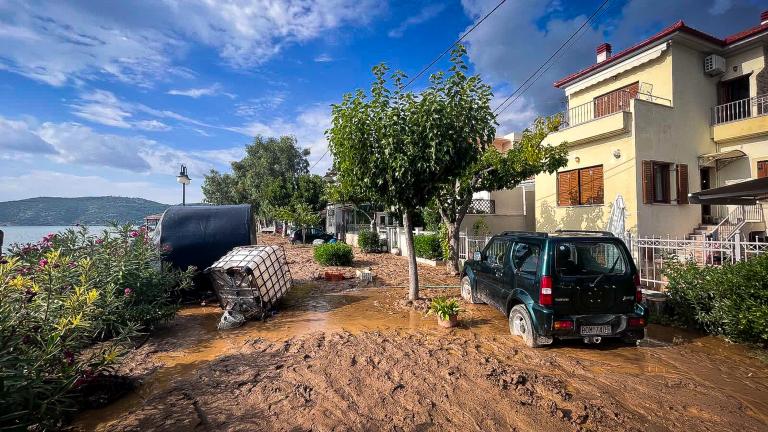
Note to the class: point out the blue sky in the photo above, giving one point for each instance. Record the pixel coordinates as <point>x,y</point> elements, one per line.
<point>108,98</point>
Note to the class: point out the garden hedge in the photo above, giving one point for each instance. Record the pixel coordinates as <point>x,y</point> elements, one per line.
<point>334,254</point>
<point>368,241</point>
<point>731,300</point>
<point>428,246</point>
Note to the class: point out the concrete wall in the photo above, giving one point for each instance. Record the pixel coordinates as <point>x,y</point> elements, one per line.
<point>751,61</point>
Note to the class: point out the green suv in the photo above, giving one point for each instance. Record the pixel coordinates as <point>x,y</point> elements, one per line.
<point>567,285</point>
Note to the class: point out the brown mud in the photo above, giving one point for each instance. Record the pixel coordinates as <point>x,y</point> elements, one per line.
<point>339,356</point>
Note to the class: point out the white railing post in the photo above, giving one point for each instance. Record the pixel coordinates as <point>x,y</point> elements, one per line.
<point>737,247</point>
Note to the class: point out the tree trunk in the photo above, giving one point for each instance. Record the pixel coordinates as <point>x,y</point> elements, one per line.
<point>453,247</point>
<point>413,275</point>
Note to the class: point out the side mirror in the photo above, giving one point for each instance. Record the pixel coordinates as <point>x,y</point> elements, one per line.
<point>477,256</point>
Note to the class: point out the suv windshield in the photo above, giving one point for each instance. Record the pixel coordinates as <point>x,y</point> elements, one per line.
<point>580,258</point>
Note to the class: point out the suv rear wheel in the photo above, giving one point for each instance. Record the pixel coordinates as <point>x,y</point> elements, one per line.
<point>467,293</point>
<point>520,324</point>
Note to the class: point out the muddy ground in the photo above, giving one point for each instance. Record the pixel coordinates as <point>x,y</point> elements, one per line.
<point>339,356</point>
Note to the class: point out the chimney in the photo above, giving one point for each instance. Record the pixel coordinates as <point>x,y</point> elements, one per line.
<point>603,52</point>
<point>764,17</point>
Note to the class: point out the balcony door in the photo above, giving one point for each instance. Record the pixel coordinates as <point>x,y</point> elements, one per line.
<point>734,93</point>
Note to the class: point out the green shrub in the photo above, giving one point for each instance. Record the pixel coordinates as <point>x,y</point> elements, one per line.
<point>444,308</point>
<point>428,246</point>
<point>731,300</point>
<point>368,241</point>
<point>333,254</point>
<point>58,297</point>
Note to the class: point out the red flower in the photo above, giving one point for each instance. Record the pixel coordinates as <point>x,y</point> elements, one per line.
<point>127,291</point>
<point>43,262</point>
<point>133,234</point>
<point>99,241</point>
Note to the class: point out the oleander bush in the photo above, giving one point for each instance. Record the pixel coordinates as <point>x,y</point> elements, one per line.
<point>368,241</point>
<point>730,300</point>
<point>334,254</point>
<point>428,246</point>
<point>69,306</point>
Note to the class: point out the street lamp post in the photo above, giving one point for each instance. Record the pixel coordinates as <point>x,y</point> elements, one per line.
<point>184,179</point>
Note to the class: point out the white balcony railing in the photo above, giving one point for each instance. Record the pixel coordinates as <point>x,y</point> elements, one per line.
<point>740,109</point>
<point>606,105</point>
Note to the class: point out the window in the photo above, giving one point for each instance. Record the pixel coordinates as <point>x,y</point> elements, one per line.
<point>762,169</point>
<point>615,101</point>
<point>582,186</point>
<point>496,252</point>
<point>657,182</point>
<point>589,259</point>
<point>525,258</point>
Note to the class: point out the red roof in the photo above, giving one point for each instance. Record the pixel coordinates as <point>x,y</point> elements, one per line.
<point>676,27</point>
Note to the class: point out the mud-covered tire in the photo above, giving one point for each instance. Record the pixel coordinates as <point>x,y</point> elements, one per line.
<point>520,324</point>
<point>467,292</point>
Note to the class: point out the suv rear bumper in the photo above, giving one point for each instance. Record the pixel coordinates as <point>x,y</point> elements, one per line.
<point>544,321</point>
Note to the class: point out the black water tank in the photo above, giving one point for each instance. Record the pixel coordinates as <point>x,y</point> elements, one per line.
<point>200,235</point>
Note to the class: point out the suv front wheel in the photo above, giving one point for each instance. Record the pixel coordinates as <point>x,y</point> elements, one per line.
<point>520,324</point>
<point>467,293</point>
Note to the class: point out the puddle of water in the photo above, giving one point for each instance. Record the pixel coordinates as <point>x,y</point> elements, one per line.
<point>667,352</point>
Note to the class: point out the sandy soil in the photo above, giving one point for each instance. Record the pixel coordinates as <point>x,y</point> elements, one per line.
<point>341,357</point>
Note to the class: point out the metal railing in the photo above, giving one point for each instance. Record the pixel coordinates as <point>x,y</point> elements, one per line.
<point>482,206</point>
<point>608,104</point>
<point>468,245</point>
<point>651,254</point>
<point>736,219</point>
<point>740,109</point>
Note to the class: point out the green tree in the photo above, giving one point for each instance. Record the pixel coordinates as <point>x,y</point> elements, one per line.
<point>273,175</point>
<point>494,170</point>
<point>399,146</point>
<point>302,215</point>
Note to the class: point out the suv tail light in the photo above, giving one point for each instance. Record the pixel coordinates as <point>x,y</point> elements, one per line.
<point>636,322</point>
<point>545,293</point>
<point>638,289</point>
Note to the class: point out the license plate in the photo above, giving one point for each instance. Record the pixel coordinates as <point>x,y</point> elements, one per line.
<point>596,330</point>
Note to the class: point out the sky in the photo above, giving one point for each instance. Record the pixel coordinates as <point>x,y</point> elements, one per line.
<point>110,97</point>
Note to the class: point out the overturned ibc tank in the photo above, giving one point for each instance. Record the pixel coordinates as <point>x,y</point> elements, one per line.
<point>199,235</point>
<point>248,281</point>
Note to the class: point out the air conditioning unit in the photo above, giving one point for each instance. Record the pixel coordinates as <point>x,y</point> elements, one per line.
<point>714,65</point>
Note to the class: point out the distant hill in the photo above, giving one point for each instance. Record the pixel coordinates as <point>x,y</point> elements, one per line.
<point>70,211</point>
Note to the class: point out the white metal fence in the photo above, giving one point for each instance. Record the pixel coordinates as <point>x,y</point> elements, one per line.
<point>650,253</point>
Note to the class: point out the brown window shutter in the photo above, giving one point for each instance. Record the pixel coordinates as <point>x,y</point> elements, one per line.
<point>563,185</point>
<point>682,184</point>
<point>647,182</point>
<point>573,188</point>
<point>597,185</point>
<point>585,186</point>
<point>762,169</point>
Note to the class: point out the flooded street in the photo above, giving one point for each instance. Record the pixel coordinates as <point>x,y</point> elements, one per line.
<point>341,357</point>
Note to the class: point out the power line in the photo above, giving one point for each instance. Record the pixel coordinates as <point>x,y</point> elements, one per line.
<point>432,63</point>
<point>447,50</point>
<point>563,45</point>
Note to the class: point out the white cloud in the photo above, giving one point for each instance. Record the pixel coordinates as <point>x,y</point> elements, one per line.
<point>323,58</point>
<point>75,144</point>
<point>140,41</point>
<point>195,93</point>
<point>427,13</point>
<point>308,127</point>
<point>254,106</point>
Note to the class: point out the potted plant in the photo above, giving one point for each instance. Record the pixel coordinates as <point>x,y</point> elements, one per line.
<point>447,311</point>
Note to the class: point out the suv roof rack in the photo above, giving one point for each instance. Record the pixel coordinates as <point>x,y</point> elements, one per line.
<point>601,233</point>
<point>526,233</point>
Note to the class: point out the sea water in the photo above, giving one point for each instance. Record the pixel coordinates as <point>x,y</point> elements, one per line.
<point>31,234</point>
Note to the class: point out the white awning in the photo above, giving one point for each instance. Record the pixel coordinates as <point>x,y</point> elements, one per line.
<point>714,159</point>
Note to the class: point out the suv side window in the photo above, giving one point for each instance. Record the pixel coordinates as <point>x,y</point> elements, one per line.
<point>496,252</point>
<point>525,257</point>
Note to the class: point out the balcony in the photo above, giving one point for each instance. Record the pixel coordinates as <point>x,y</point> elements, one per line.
<point>603,117</point>
<point>482,206</point>
<point>743,118</point>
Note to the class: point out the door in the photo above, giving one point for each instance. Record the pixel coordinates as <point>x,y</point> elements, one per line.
<point>733,91</point>
<point>492,270</point>
<point>592,277</point>
<point>762,169</point>
<point>706,210</point>
<point>526,258</point>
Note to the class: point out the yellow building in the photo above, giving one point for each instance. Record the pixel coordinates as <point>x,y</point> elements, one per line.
<point>679,112</point>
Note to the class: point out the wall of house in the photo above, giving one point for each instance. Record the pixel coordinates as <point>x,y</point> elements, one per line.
<point>678,135</point>
<point>751,61</point>
<point>619,179</point>
<point>756,149</point>
<point>656,73</point>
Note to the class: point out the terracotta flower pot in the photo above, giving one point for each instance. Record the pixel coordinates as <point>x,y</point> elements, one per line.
<point>334,276</point>
<point>452,321</point>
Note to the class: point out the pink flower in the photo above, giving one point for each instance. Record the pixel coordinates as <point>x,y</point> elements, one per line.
<point>133,234</point>
<point>43,262</point>
<point>99,241</point>
<point>72,264</point>
<point>127,291</point>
